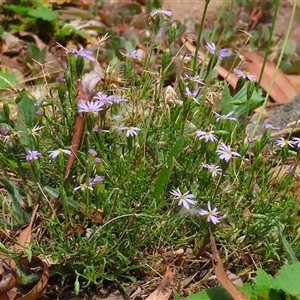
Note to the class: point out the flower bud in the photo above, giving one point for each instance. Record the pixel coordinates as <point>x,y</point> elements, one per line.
<point>173,32</point>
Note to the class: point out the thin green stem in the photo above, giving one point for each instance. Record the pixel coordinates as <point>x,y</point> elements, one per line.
<point>278,63</point>
<point>199,36</point>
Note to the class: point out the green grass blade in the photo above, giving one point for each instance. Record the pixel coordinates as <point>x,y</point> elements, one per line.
<point>164,175</point>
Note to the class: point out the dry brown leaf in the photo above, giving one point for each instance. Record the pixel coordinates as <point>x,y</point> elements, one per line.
<point>114,296</point>
<point>38,290</point>
<point>294,80</point>
<point>164,290</point>
<point>90,80</point>
<point>7,282</point>
<point>25,236</point>
<point>282,91</point>
<point>221,273</point>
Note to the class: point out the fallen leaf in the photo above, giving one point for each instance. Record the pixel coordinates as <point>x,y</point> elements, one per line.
<point>38,290</point>
<point>221,273</point>
<point>164,290</point>
<point>7,282</point>
<point>90,80</point>
<point>282,91</point>
<point>295,81</point>
<point>25,236</point>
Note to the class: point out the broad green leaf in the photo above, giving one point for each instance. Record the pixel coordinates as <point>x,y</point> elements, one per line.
<point>18,9</point>
<point>7,80</point>
<point>247,289</point>
<point>26,110</point>
<point>44,13</point>
<point>244,107</point>
<point>288,279</point>
<point>263,284</point>
<point>215,293</point>
<point>15,201</point>
<point>25,117</point>
<point>226,105</point>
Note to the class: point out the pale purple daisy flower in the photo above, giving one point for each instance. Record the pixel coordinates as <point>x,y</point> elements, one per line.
<point>212,215</point>
<point>98,160</point>
<point>296,142</point>
<point>185,199</point>
<point>97,179</point>
<point>100,130</point>
<point>207,136</point>
<point>130,130</point>
<point>133,54</point>
<point>165,12</point>
<point>55,153</point>
<point>225,152</point>
<point>83,187</point>
<point>90,106</point>
<point>33,155</point>
<point>83,53</point>
<point>192,95</point>
<point>117,99</point>
<point>195,79</point>
<point>224,117</point>
<point>295,170</point>
<point>92,153</point>
<point>212,49</point>
<point>3,131</point>
<point>214,169</point>
<point>244,74</point>
<point>269,126</point>
<point>103,98</point>
<point>281,142</point>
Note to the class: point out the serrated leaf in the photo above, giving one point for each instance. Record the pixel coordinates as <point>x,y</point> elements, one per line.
<point>215,293</point>
<point>288,279</point>
<point>44,13</point>
<point>247,289</point>
<point>264,279</point>
<point>264,282</point>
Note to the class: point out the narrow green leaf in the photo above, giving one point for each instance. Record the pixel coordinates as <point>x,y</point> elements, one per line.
<point>164,175</point>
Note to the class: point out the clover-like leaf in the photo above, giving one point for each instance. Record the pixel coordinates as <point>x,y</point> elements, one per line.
<point>44,13</point>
